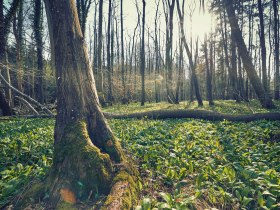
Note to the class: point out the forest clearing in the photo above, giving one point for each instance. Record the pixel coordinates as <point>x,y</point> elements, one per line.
<point>146,105</point>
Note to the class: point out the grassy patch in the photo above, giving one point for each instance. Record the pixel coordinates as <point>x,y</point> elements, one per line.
<point>186,164</point>
<point>25,153</point>
<point>228,107</point>
<point>200,164</point>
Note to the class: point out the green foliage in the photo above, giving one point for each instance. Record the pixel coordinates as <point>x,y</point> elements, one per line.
<point>224,164</point>
<point>186,164</point>
<point>25,151</point>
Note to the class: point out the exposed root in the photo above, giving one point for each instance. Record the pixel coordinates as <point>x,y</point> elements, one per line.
<point>81,172</point>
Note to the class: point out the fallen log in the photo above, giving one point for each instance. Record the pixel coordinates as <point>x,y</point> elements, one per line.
<point>195,114</point>
<point>27,104</point>
<point>178,114</point>
<point>31,100</point>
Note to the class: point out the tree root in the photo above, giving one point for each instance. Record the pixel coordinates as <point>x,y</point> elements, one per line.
<point>81,171</point>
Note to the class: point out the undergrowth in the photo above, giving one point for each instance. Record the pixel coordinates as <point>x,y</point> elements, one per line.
<point>185,164</point>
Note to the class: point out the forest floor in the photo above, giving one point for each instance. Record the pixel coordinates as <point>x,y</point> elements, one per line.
<point>184,163</point>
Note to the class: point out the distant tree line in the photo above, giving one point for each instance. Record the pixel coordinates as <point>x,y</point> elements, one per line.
<point>237,60</point>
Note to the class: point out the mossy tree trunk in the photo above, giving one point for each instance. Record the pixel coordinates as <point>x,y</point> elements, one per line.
<point>85,150</point>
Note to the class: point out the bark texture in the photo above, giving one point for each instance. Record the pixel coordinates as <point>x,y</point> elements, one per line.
<point>263,97</point>
<point>196,114</point>
<point>85,150</point>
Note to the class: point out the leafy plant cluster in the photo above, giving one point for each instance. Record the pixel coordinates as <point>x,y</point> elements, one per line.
<point>192,164</point>
<point>25,153</point>
<point>186,164</point>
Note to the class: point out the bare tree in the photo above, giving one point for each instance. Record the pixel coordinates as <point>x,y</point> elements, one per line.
<point>264,98</point>
<point>263,47</point>
<point>5,23</point>
<point>109,64</point>
<point>37,27</point>
<point>208,74</point>
<point>99,73</point>
<point>276,41</point>
<point>189,54</point>
<point>83,10</point>
<point>143,55</point>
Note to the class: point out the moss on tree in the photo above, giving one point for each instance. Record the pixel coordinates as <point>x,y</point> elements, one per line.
<point>82,171</point>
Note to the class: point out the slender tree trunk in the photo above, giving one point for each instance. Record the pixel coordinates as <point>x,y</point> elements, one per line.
<point>143,55</point>
<point>157,79</point>
<point>276,41</point>
<point>169,46</point>
<point>109,65</point>
<point>99,83</point>
<point>122,55</point>
<point>83,10</point>
<point>265,100</point>
<point>39,45</point>
<point>233,74</point>
<point>18,33</point>
<point>189,54</point>
<point>263,48</point>
<point>208,75</point>
<point>5,22</point>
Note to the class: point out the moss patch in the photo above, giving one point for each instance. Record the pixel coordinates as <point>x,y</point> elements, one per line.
<point>65,206</point>
<point>124,193</point>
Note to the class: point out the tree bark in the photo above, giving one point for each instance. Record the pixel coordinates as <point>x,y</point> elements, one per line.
<point>37,24</point>
<point>18,33</point>
<point>5,23</point>
<point>208,75</point>
<point>277,59</point>
<point>86,153</point>
<point>124,99</point>
<point>83,10</point>
<point>263,48</point>
<point>189,54</point>
<point>263,97</point>
<point>169,45</point>
<point>143,56</point>
<point>99,73</point>
<point>195,114</point>
<point>109,64</point>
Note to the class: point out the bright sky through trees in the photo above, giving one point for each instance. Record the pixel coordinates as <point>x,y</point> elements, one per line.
<point>201,20</point>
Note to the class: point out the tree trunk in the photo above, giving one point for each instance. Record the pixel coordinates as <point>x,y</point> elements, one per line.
<point>122,56</point>
<point>263,48</point>
<point>109,64</point>
<point>5,21</point>
<point>180,73</point>
<point>168,53</point>
<point>85,149</point>
<point>208,75</point>
<point>143,56</point>
<point>83,10</point>
<point>265,100</point>
<point>277,59</point>
<point>189,54</point>
<point>99,78</point>
<point>18,33</point>
<point>39,45</point>
<point>196,114</point>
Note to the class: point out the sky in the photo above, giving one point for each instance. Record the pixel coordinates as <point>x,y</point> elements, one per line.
<point>201,21</point>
